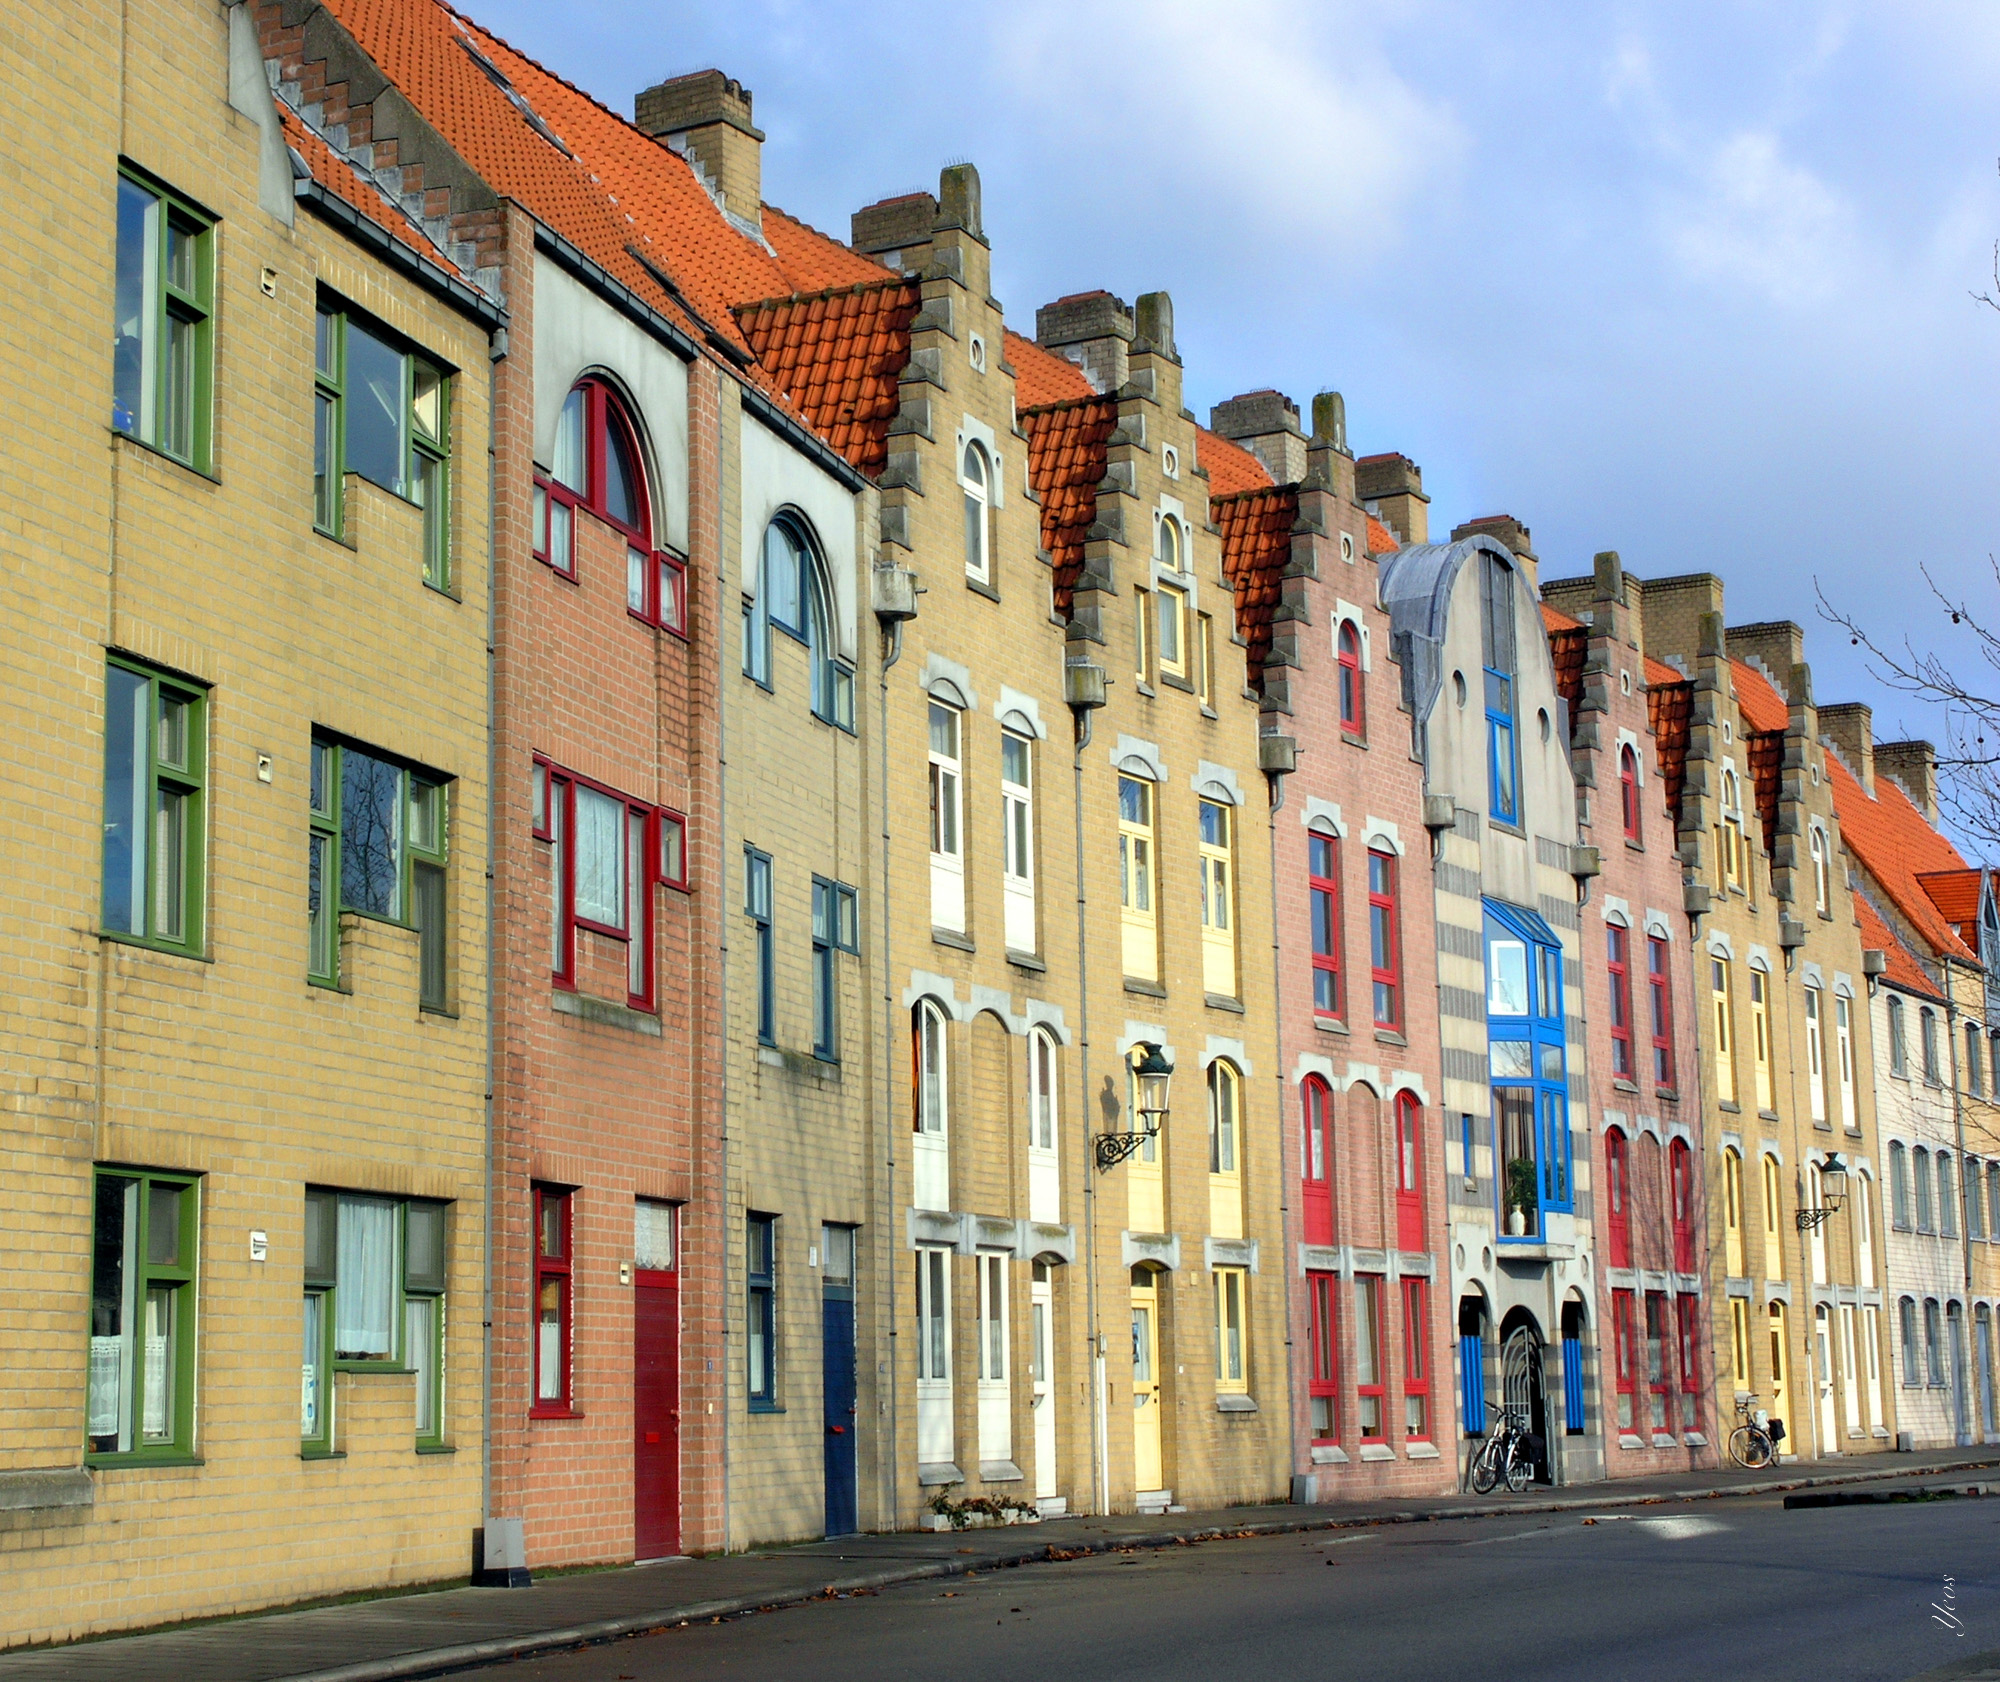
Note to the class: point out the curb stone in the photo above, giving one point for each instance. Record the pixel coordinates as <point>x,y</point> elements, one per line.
<point>441,1661</point>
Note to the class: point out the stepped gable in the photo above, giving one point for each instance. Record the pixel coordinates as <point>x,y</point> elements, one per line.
<point>1256,549</point>
<point>1040,376</point>
<point>837,356</point>
<point>1231,468</point>
<point>1766,717</point>
<point>1903,968</point>
<point>339,177</point>
<point>1897,847</point>
<point>1066,458</point>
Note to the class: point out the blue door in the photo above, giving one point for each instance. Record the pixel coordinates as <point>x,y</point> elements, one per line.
<point>837,1336</point>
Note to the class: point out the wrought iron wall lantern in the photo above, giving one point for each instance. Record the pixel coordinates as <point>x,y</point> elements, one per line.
<point>1152,1075</point>
<point>1832,1192</point>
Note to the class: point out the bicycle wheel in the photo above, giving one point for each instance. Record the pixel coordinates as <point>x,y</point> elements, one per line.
<point>1486,1466</point>
<point>1520,1470</point>
<point>1749,1448</point>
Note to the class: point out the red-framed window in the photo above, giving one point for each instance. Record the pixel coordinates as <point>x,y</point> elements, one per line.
<point>1628,791</point>
<point>554,1281</point>
<point>1323,884</point>
<point>1618,1197</point>
<point>1618,963</point>
<point>1323,1340</point>
<point>1385,940</point>
<point>1659,983</point>
<point>1370,1388</point>
<point>606,854</point>
<point>1409,1172</point>
<point>1687,1312</point>
<point>599,469</point>
<point>1659,1382</point>
<point>1680,1178</point>
<point>1622,1353</point>
<point>1353,699</point>
<point>1316,1160</point>
<point>1416,1361</point>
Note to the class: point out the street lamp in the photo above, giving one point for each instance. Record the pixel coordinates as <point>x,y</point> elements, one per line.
<point>1832,1192</point>
<point>1152,1075</point>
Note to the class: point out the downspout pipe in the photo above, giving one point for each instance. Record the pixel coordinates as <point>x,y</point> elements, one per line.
<point>1084,684</point>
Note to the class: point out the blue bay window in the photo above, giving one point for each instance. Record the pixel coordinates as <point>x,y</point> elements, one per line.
<point>1496,628</point>
<point>1528,1066</point>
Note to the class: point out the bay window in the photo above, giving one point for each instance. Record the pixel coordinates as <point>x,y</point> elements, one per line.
<point>1525,1028</point>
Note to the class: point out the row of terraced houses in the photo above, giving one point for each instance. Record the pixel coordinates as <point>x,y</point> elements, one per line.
<point>671,889</point>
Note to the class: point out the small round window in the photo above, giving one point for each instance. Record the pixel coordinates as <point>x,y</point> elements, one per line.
<point>977,354</point>
<point>1170,461</point>
<point>1458,687</point>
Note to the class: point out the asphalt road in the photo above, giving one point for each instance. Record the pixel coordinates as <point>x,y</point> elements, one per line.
<point>1711,1589</point>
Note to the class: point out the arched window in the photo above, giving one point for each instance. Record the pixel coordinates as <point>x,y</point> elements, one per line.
<point>599,469</point>
<point>1680,1175</point>
<point>1920,1165</point>
<point>1353,703</point>
<point>1899,1187</point>
<point>1821,888</point>
<point>1225,1147</point>
<point>1409,1173</point>
<point>1993,1062</point>
<point>1618,968</point>
<point>1044,1172</point>
<point>1496,601</point>
<point>1899,1039</point>
<point>1732,1211</point>
<point>930,1154</point>
<point>975,479</point>
<point>1913,1371</point>
<point>1774,1217</point>
<point>1729,831</point>
<point>795,596</point>
<point>1618,1196</point>
<point>1933,1343</point>
<point>1628,791</point>
<point>1316,1159</point>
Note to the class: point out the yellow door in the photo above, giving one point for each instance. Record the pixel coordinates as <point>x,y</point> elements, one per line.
<point>1146,1474</point>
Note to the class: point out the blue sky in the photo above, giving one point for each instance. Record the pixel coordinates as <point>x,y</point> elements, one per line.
<point>1689,282</point>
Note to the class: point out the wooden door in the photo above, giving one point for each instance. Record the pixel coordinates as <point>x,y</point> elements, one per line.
<point>1146,1465</point>
<point>656,1414</point>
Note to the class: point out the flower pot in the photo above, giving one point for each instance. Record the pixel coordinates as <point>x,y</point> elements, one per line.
<point>1517,1222</point>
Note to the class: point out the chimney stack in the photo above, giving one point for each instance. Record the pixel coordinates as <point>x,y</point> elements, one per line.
<point>706,118</point>
<point>1914,765</point>
<point>1266,423</point>
<point>1092,329</point>
<point>1391,487</point>
<point>1850,726</point>
<point>1505,529</point>
<point>896,231</point>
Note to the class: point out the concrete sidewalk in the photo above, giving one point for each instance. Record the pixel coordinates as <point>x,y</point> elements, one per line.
<point>452,1629</point>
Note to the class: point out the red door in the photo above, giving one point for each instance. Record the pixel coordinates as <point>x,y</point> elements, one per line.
<point>1315,1156</point>
<point>1409,1173</point>
<point>656,1415</point>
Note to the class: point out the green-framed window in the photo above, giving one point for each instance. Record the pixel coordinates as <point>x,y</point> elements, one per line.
<point>374,1301</point>
<point>145,1238</point>
<point>155,807</point>
<point>380,833</point>
<point>383,411</point>
<point>163,355</point>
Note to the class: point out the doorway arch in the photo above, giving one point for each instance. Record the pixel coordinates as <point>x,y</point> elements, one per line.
<point>1523,1387</point>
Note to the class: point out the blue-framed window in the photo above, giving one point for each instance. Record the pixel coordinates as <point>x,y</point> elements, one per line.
<point>836,928</point>
<point>1503,759</point>
<point>793,596</point>
<point>1529,1067</point>
<point>757,907</point>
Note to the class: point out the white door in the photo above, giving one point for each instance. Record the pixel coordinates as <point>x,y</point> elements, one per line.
<point>935,1443</point>
<point>996,1389</point>
<point>1850,1376</point>
<point>1871,1354</point>
<point>1823,1361</point>
<point>1041,1303</point>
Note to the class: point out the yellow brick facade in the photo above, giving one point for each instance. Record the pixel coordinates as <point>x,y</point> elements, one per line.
<point>225,1064</point>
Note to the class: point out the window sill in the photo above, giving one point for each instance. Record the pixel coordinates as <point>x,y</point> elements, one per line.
<point>555,1413</point>
<point>165,949</point>
<point>1767,1115</point>
<point>339,989</point>
<point>343,539</point>
<point>119,436</point>
<point>1145,688</point>
<point>450,592</point>
<point>439,1013</point>
<point>1389,1036</point>
<point>1150,989</point>
<point>1632,846</point>
<point>1822,1127</point>
<point>767,1407</point>
<point>979,588</point>
<point>437,1448</point>
<point>1170,681</point>
<point>1729,1106</point>
<point>1349,740</point>
<point>1506,828</point>
<point>1618,1082</point>
<point>1236,1404</point>
<point>311,1454</point>
<point>142,1460</point>
<point>1220,1001</point>
<point>1209,712</point>
<point>952,938</point>
<point>1331,1025</point>
<point>1376,1451</point>
<point>605,1013</point>
<point>1667,1094</point>
<point>1421,1451</point>
<point>1026,960</point>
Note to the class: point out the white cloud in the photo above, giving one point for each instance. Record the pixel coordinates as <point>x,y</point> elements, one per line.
<point>1755,219</point>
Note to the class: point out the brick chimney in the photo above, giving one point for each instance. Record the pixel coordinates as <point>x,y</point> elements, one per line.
<point>1092,329</point>
<point>1505,529</point>
<point>1775,644</point>
<point>1391,487</point>
<point>1914,765</point>
<point>1850,726</point>
<point>897,230</point>
<point>1266,423</point>
<point>706,118</point>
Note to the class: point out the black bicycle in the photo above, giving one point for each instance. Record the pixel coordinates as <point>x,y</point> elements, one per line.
<point>1754,1443</point>
<point>1506,1455</point>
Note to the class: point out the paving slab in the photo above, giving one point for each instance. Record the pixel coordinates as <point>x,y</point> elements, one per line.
<point>434,1633</point>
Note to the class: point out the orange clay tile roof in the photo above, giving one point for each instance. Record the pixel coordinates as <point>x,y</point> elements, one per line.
<point>1554,619</point>
<point>813,261</point>
<point>1897,846</point>
<point>1669,713</point>
<point>1066,447</point>
<point>1955,893</point>
<point>1256,547</point>
<point>1763,707</point>
<point>836,355</point>
<point>1231,468</point>
<point>1765,750</point>
<point>1567,646</point>
<point>1658,671</point>
<point>333,172</point>
<point>1876,935</point>
<point>1379,540</point>
<point>1041,377</point>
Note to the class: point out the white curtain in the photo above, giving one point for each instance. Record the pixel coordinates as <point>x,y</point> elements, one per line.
<point>600,858</point>
<point>365,1279</point>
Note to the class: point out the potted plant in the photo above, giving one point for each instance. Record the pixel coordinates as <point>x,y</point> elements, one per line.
<point>1520,1195</point>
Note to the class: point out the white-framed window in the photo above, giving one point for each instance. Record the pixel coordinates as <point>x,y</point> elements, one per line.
<point>1225,1166</point>
<point>1017,840</point>
<point>1216,859</point>
<point>1138,920</point>
<point>935,1436</point>
<point>975,478</point>
<point>1843,1033</point>
<point>931,1119</point>
<point>1044,1167</point>
<point>947,818</point>
<point>1822,886</point>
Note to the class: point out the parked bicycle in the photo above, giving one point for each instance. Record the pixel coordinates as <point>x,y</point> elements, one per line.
<point>1754,1443</point>
<point>1506,1455</point>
